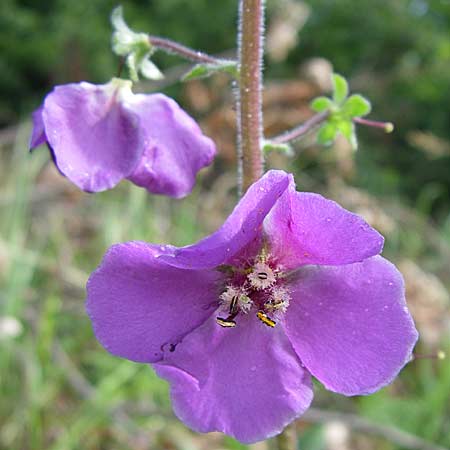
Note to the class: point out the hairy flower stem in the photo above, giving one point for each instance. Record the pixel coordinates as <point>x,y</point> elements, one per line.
<point>301,130</point>
<point>181,50</point>
<point>249,95</point>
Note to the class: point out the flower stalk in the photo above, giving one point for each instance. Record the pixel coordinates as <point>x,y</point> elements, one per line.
<point>249,97</point>
<point>170,46</point>
<point>301,130</point>
<point>388,127</point>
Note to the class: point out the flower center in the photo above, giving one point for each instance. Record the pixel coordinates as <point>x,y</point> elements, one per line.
<point>259,286</point>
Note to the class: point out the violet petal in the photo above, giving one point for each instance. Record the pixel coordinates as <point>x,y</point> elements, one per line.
<point>246,382</point>
<point>38,136</point>
<point>242,226</point>
<point>306,228</point>
<point>176,149</point>
<point>350,325</point>
<point>140,306</point>
<point>95,137</point>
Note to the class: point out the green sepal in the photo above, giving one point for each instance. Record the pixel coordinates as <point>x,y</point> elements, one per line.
<point>204,70</point>
<point>269,146</point>
<point>340,88</point>
<point>124,39</point>
<point>347,129</point>
<point>321,104</point>
<point>356,106</point>
<point>135,47</point>
<point>327,133</point>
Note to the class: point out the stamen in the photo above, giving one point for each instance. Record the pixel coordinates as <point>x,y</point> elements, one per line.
<point>226,323</point>
<point>236,300</point>
<point>262,276</point>
<point>245,303</point>
<point>265,319</point>
<point>278,301</point>
<point>234,303</point>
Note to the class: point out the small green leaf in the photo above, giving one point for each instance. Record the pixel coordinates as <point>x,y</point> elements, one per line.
<point>327,133</point>
<point>321,104</point>
<point>269,146</point>
<point>198,71</point>
<point>204,70</point>
<point>150,71</point>
<point>347,128</point>
<point>340,88</point>
<point>356,106</point>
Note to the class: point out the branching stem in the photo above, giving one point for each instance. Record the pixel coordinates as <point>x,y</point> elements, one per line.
<point>181,50</point>
<point>301,130</point>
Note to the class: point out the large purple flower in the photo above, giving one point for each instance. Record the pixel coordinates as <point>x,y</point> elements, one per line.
<point>100,134</point>
<point>292,285</point>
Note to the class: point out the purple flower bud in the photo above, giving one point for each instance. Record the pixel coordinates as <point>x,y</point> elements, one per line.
<point>101,134</point>
<point>291,286</point>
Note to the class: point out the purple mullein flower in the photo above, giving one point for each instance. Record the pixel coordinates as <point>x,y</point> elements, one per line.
<point>101,134</point>
<point>292,285</point>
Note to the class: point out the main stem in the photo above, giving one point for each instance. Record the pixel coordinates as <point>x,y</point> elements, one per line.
<point>249,115</point>
<point>250,49</point>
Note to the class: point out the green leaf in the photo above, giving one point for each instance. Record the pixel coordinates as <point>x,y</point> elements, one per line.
<point>356,106</point>
<point>340,88</point>
<point>204,70</point>
<point>269,146</point>
<point>198,71</point>
<point>327,133</point>
<point>347,128</point>
<point>321,104</point>
<point>150,71</point>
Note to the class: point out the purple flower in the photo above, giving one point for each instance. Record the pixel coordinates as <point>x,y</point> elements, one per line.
<point>101,134</point>
<point>292,285</point>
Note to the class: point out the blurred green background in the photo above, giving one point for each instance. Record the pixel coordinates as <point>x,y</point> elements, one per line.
<point>59,388</point>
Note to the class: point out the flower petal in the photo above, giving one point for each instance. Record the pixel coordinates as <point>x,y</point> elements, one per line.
<point>246,382</point>
<point>242,226</point>
<point>350,325</point>
<point>95,138</point>
<point>38,134</point>
<point>139,305</point>
<point>176,148</point>
<point>306,228</point>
